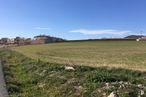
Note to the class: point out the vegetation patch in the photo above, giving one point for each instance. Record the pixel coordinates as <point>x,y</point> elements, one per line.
<point>27,77</point>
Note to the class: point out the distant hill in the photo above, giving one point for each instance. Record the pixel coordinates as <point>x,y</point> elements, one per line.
<point>134,36</point>
<point>44,39</point>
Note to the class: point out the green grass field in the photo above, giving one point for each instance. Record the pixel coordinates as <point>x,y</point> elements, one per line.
<point>123,54</point>
<point>26,77</point>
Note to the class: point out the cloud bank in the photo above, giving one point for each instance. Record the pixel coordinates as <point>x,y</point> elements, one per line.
<point>99,32</point>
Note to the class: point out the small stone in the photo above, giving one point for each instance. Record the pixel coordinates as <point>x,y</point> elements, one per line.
<point>104,94</point>
<point>69,68</point>
<point>78,90</point>
<point>141,92</point>
<point>126,83</point>
<point>41,85</point>
<point>107,84</point>
<point>139,85</point>
<point>121,82</point>
<point>113,94</point>
<point>120,86</point>
<point>144,87</point>
<point>42,73</point>
<point>99,90</point>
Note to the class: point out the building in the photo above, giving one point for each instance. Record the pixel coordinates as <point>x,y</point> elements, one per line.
<point>10,42</point>
<point>19,41</point>
<point>4,41</point>
<point>40,39</point>
<point>28,41</point>
<point>143,38</point>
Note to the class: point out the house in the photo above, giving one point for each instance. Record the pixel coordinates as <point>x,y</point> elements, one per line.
<point>4,41</point>
<point>19,41</point>
<point>27,41</point>
<point>10,41</point>
<point>40,39</point>
<point>143,38</point>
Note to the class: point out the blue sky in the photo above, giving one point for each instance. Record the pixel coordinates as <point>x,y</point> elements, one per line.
<point>72,19</point>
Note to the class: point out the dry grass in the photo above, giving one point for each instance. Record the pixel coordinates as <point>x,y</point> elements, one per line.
<point>123,54</point>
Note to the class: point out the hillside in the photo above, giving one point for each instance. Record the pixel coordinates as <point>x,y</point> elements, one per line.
<point>134,36</point>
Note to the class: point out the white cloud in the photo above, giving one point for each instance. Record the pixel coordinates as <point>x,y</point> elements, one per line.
<point>99,32</point>
<point>41,28</point>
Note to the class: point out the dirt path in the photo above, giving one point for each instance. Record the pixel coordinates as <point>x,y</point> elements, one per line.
<point>3,90</point>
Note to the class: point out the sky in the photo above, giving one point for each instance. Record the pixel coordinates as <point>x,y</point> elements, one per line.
<point>72,19</point>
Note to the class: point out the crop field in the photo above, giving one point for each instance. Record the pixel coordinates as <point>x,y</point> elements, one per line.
<point>119,54</point>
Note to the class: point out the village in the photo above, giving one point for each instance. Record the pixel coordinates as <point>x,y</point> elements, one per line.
<point>40,39</point>
<point>45,39</point>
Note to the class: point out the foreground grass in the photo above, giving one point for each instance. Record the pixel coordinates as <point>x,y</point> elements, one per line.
<point>26,77</point>
<point>123,54</point>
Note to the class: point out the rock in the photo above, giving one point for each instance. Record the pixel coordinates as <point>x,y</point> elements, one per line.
<point>41,85</point>
<point>69,68</point>
<point>78,87</point>
<point>78,91</point>
<point>42,73</point>
<point>144,87</point>
<point>113,94</point>
<point>141,92</point>
<point>120,87</point>
<point>99,90</point>
<point>107,84</point>
<point>139,85</point>
<point>104,94</point>
<point>121,82</point>
<point>126,83</point>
